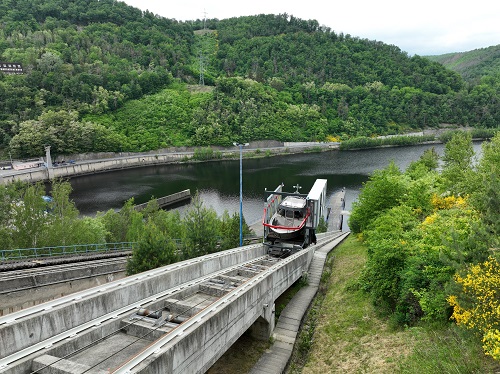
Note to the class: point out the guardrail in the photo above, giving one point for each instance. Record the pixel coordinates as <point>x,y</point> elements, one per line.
<point>75,249</point>
<point>44,252</point>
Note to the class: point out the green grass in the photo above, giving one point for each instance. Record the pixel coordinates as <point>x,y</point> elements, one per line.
<point>447,350</point>
<point>401,140</point>
<point>241,357</point>
<point>349,336</point>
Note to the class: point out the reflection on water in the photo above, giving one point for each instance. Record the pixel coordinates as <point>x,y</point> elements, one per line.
<point>218,182</point>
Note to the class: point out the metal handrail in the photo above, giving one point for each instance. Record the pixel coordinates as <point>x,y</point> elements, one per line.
<point>43,252</point>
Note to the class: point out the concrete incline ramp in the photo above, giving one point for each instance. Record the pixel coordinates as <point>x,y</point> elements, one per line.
<point>335,210</point>
<point>276,359</point>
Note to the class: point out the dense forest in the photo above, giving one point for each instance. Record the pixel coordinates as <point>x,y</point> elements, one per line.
<point>472,65</point>
<point>104,76</point>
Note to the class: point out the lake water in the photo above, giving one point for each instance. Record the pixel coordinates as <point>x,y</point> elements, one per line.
<point>218,182</point>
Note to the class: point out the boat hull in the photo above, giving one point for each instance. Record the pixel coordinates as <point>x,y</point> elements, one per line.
<point>284,234</point>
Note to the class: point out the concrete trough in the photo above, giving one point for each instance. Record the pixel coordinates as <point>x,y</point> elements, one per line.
<point>199,346</point>
<point>20,330</point>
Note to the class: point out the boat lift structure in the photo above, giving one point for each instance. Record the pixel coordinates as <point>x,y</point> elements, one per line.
<point>299,231</point>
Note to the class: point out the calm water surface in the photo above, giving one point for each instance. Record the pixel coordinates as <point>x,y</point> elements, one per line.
<point>218,182</point>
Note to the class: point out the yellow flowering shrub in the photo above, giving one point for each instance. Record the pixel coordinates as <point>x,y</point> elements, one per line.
<point>429,220</point>
<point>332,138</point>
<point>491,343</point>
<point>448,225</point>
<point>480,307</point>
<point>447,202</point>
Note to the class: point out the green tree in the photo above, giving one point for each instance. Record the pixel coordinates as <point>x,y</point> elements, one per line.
<point>29,217</point>
<point>429,161</point>
<point>322,225</point>
<point>169,222</point>
<point>152,250</point>
<point>486,195</point>
<point>383,191</point>
<point>457,168</point>
<point>62,217</point>
<point>66,226</point>
<point>229,229</point>
<point>387,239</point>
<point>201,234</point>
<point>10,195</point>
<point>118,224</point>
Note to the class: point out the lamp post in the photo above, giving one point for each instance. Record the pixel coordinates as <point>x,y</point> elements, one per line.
<point>241,145</point>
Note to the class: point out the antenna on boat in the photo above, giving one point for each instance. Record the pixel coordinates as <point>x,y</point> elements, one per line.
<point>297,187</point>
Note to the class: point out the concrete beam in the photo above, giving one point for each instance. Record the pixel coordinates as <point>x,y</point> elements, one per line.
<point>201,344</point>
<point>47,364</point>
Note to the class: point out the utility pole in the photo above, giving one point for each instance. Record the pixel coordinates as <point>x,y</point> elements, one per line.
<point>241,145</point>
<point>48,158</point>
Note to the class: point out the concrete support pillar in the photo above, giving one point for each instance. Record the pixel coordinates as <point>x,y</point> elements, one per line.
<point>48,160</point>
<point>263,327</point>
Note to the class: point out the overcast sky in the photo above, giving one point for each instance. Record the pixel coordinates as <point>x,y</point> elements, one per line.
<point>424,27</point>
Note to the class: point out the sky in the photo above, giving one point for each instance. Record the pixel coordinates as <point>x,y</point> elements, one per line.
<point>423,27</point>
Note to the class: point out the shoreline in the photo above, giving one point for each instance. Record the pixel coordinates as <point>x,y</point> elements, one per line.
<point>116,161</point>
<point>103,165</point>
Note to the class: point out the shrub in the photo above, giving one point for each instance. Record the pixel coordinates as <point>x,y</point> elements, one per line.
<point>383,191</point>
<point>477,306</point>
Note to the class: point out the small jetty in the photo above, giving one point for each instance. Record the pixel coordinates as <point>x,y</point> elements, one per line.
<point>169,201</point>
<point>335,213</point>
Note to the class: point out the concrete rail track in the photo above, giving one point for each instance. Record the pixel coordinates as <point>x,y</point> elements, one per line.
<point>30,278</point>
<point>133,318</point>
<point>57,260</point>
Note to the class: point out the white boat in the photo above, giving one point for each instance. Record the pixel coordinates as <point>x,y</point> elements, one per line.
<point>290,219</point>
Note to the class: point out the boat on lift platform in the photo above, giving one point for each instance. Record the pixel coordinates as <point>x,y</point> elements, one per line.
<point>290,219</point>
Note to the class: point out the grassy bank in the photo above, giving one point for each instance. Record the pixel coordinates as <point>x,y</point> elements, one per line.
<point>402,140</point>
<point>343,333</point>
<point>364,142</point>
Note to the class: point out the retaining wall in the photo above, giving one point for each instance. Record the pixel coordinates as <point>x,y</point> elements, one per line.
<point>117,161</point>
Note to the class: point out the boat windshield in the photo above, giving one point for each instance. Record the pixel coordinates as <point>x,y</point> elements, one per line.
<point>291,214</point>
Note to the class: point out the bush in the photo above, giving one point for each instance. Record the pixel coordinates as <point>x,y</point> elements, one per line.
<point>383,191</point>
<point>402,140</point>
<point>205,154</point>
<point>153,250</point>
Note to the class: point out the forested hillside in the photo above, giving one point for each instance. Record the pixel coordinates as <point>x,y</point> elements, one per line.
<point>472,65</point>
<point>104,76</point>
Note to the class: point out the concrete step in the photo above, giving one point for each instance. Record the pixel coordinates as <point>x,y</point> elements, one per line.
<point>274,361</point>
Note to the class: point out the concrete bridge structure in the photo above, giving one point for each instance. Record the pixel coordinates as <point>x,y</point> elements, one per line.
<point>176,319</point>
